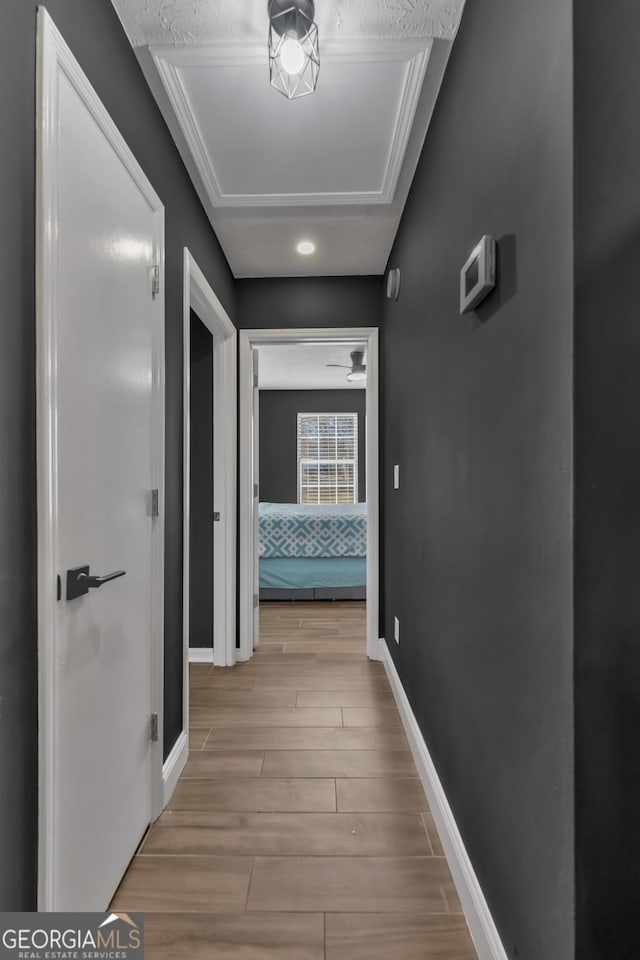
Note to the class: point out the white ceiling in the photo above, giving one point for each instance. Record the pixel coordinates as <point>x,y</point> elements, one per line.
<point>334,167</point>
<point>301,366</point>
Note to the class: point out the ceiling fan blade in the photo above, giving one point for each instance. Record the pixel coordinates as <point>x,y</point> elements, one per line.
<point>341,365</point>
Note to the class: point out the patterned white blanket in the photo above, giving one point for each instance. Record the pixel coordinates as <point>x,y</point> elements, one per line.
<point>318,530</point>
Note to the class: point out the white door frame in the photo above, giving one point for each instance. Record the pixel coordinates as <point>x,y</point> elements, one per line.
<point>199,297</point>
<point>54,59</point>
<point>254,338</point>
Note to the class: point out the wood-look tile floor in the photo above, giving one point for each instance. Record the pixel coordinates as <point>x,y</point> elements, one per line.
<point>299,829</point>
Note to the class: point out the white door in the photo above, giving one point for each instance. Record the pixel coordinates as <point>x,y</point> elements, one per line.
<point>255,426</point>
<point>102,346</point>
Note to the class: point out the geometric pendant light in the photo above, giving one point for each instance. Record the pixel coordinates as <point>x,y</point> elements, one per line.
<point>294,54</point>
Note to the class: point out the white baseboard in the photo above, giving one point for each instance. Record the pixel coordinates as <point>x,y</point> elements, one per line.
<point>173,767</point>
<point>377,655</point>
<point>483,929</point>
<point>200,654</point>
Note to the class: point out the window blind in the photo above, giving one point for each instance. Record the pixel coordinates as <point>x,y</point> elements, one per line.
<point>327,458</point>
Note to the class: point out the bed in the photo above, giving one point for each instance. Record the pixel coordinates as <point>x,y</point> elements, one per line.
<point>312,551</point>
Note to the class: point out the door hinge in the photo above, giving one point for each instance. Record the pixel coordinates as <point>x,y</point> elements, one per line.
<point>155,509</point>
<point>256,599</point>
<point>255,379</point>
<point>216,516</point>
<point>154,728</point>
<point>255,490</point>
<point>155,280</point>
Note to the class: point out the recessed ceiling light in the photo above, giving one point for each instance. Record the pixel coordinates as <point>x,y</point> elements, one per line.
<point>305,247</point>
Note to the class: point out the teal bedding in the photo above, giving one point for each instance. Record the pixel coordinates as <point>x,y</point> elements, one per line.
<point>290,573</point>
<point>312,530</point>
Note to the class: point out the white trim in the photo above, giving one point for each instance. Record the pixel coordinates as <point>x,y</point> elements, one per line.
<point>373,497</point>
<point>53,59</point>
<point>170,61</point>
<point>198,296</point>
<point>200,655</point>
<point>173,767</point>
<point>483,929</point>
<point>407,106</point>
<point>47,465</point>
<point>247,586</point>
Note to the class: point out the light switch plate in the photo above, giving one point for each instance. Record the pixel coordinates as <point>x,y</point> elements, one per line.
<point>396,476</point>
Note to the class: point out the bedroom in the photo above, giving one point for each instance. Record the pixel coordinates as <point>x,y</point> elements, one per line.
<point>312,477</point>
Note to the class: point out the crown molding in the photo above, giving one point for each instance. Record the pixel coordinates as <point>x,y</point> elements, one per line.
<point>171,61</point>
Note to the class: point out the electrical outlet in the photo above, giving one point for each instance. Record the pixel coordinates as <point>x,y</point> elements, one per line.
<point>396,630</point>
<point>396,476</point>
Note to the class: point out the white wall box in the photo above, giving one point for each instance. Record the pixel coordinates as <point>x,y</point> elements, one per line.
<point>478,275</point>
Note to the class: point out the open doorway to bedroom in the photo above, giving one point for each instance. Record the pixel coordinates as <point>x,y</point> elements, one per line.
<point>309,492</point>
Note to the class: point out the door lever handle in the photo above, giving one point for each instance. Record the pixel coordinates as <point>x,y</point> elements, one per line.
<point>79,581</point>
<point>98,581</point>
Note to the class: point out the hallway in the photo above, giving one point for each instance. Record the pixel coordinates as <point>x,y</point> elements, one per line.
<point>299,829</point>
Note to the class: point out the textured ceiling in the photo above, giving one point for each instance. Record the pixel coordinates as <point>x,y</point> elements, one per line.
<point>335,167</point>
<point>151,22</point>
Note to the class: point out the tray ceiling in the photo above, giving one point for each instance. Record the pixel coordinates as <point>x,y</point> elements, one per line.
<point>334,167</point>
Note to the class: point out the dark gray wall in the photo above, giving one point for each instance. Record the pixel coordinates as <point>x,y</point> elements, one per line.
<point>18,661</point>
<point>308,302</point>
<point>607,500</point>
<point>477,412</point>
<point>201,487</point>
<point>93,32</point>
<point>279,436</point>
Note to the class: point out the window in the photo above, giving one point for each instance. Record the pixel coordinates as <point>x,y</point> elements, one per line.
<point>327,458</point>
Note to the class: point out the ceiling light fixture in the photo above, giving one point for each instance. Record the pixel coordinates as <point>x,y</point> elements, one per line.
<point>294,55</point>
<point>305,247</point>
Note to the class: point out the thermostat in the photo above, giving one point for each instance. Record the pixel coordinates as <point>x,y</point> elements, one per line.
<point>478,276</point>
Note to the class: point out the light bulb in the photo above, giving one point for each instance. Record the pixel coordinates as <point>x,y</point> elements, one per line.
<point>306,247</point>
<point>357,375</point>
<point>292,56</point>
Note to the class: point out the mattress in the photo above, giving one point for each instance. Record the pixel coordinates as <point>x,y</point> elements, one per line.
<point>312,530</point>
<point>290,573</point>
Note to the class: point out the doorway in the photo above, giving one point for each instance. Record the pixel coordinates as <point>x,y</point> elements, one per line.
<point>251,341</point>
<point>215,398</point>
<point>201,493</point>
